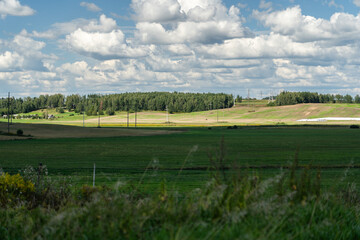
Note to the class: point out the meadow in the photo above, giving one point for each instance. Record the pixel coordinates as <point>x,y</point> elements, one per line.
<point>250,175</point>
<point>156,158</point>
<point>250,112</point>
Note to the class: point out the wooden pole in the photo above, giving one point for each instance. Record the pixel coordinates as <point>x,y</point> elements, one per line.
<point>99,120</point>
<point>8,115</point>
<point>94,176</point>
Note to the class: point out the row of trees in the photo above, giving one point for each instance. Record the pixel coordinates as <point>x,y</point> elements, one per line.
<point>290,98</point>
<point>95,103</point>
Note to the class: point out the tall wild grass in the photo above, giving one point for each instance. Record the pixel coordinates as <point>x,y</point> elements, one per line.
<point>232,205</point>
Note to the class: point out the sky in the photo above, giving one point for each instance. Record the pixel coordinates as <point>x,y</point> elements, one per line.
<point>232,46</point>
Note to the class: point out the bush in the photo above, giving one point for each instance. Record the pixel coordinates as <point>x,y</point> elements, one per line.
<point>19,132</point>
<point>110,111</point>
<point>60,110</point>
<point>49,193</point>
<point>14,190</point>
<point>354,126</point>
<point>271,104</point>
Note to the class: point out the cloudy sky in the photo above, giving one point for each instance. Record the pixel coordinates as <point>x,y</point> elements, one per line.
<point>72,46</point>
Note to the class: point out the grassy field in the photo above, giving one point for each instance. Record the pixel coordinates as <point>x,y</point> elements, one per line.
<point>180,182</point>
<point>246,113</point>
<point>158,157</point>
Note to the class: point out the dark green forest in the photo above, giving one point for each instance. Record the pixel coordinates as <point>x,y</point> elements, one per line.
<point>291,98</point>
<point>140,101</point>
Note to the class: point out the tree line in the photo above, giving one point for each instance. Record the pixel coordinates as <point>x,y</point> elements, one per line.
<point>290,98</point>
<point>94,104</point>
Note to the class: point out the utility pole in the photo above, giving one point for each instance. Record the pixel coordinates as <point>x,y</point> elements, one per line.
<point>127,124</point>
<point>12,110</point>
<point>167,114</point>
<point>223,111</point>
<point>94,175</point>
<point>99,120</point>
<point>248,96</point>
<point>8,116</point>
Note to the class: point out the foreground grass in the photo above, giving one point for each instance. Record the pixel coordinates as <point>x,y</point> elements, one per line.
<point>286,206</point>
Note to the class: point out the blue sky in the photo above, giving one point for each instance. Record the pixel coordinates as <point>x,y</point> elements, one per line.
<point>227,46</point>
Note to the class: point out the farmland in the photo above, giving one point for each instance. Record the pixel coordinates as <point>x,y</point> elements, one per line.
<point>187,179</point>
<point>126,158</point>
<point>246,113</point>
<point>124,154</point>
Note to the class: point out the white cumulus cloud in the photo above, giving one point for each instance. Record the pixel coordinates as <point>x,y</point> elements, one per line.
<point>102,45</point>
<point>14,8</point>
<point>187,21</point>
<point>291,22</point>
<point>156,10</point>
<point>10,61</point>
<point>90,6</point>
<point>263,46</point>
<point>103,24</point>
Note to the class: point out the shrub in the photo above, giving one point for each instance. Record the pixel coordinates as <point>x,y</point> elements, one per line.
<point>14,190</point>
<point>354,126</point>
<point>271,104</point>
<point>110,111</point>
<point>60,110</point>
<point>19,132</point>
<point>48,192</point>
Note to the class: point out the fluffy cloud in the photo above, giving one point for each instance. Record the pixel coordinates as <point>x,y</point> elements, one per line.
<point>265,5</point>
<point>102,45</point>
<point>90,6</point>
<point>25,44</point>
<point>14,8</point>
<point>180,49</point>
<point>156,10</point>
<point>104,24</point>
<point>24,53</point>
<point>189,32</point>
<point>264,46</point>
<point>291,22</point>
<point>10,61</point>
<point>185,21</point>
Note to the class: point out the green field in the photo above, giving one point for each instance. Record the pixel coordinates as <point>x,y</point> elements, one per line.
<point>160,182</point>
<point>247,113</point>
<point>156,158</point>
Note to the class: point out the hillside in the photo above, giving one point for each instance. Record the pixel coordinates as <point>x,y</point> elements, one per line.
<point>252,112</point>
